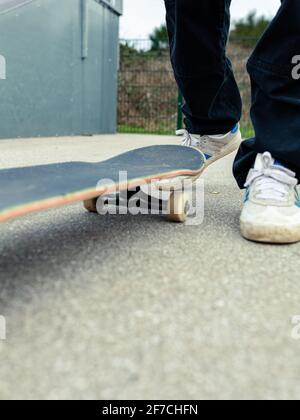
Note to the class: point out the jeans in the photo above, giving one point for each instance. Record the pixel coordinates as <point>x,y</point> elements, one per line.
<point>198,32</point>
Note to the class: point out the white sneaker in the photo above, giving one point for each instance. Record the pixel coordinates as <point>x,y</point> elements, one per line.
<point>271,210</point>
<point>213,148</point>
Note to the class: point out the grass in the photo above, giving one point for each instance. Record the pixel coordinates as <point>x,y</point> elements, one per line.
<point>247,132</point>
<point>140,130</point>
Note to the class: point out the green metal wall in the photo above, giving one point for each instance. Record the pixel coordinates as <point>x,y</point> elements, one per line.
<point>61,59</point>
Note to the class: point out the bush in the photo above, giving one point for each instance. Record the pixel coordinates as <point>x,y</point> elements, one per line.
<point>247,31</point>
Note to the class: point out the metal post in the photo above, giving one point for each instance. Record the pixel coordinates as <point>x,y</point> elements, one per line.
<point>179,111</point>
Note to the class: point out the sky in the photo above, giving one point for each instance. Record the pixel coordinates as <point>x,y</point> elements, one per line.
<point>141,16</point>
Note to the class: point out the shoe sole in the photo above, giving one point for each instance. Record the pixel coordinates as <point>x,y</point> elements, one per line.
<point>230,148</point>
<point>270,234</point>
<point>227,150</point>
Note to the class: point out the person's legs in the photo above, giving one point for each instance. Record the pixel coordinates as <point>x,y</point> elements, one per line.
<point>271,211</point>
<point>275,95</point>
<point>198,32</point>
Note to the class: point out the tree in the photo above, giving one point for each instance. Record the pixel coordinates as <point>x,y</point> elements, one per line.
<point>159,38</point>
<point>248,30</point>
<point>127,50</point>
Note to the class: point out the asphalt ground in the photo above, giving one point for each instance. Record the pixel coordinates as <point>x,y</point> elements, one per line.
<point>133,307</point>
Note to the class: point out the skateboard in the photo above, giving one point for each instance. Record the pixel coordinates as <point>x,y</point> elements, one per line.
<point>32,189</point>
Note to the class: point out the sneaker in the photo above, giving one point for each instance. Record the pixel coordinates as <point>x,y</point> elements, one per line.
<point>212,147</point>
<point>271,210</point>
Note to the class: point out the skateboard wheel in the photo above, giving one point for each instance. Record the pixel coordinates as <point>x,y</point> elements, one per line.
<point>91,205</point>
<point>178,207</point>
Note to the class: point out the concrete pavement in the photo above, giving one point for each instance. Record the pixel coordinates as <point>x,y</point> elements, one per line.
<point>124,307</point>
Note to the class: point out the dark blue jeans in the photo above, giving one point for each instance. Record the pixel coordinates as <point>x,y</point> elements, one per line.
<point>198,32</point>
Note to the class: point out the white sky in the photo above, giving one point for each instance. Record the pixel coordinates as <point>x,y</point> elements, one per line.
<point>141,16</point>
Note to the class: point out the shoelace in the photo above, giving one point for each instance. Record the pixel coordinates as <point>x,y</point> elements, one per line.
<point>272,182</point>
<point>190,141</point>
<point>187,140</point>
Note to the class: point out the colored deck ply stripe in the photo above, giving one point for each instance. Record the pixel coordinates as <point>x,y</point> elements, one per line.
<point>29,189</point>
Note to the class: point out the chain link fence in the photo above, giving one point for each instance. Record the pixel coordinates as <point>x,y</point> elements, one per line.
<point>149,101</point>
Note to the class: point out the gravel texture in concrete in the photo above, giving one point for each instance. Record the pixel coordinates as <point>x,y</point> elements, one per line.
<point>133,307</point>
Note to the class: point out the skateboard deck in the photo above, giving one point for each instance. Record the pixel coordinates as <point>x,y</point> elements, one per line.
<point>31,189</point>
